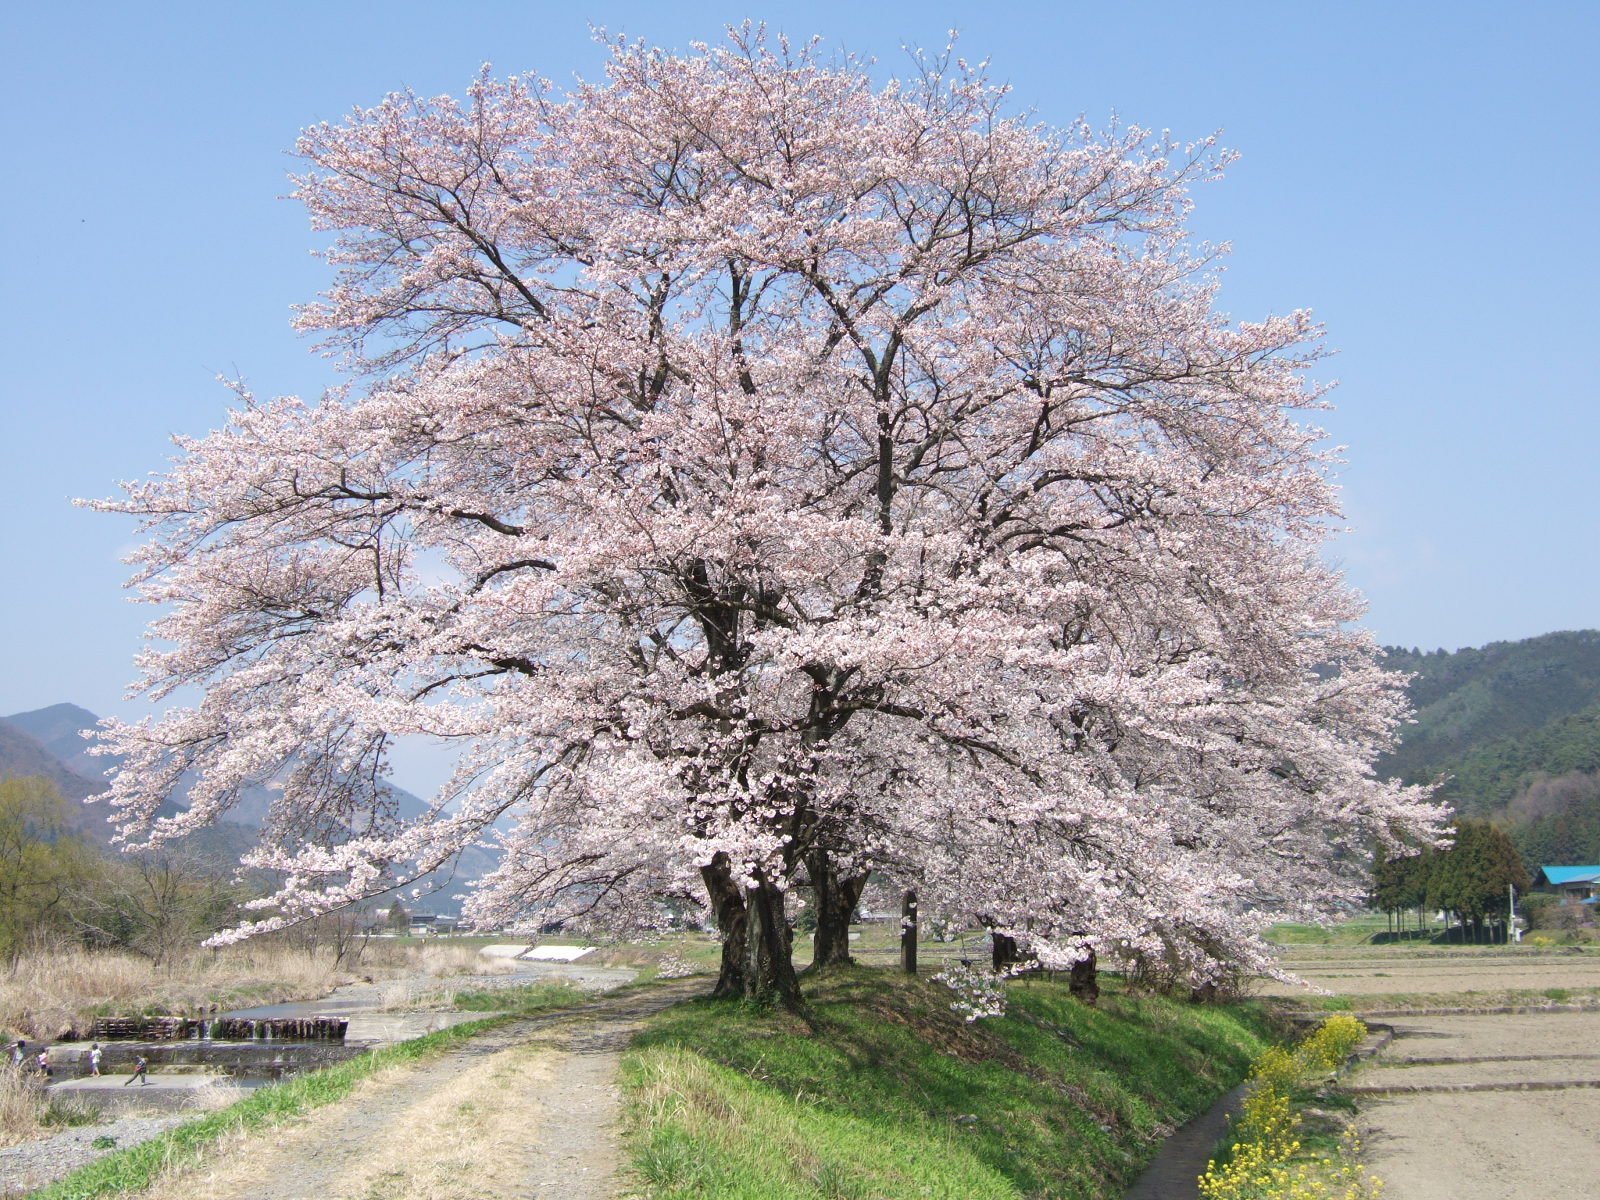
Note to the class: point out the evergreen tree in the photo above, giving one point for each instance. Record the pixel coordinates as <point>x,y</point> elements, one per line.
<point>1473,877</point>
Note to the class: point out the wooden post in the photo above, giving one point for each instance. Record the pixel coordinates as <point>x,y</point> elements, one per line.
<point>908,933</point>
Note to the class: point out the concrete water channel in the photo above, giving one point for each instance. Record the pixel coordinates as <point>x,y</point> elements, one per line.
<point>261,1045</point>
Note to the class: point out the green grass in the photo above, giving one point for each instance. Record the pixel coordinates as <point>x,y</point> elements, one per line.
<point>893,1096</point>
<point>1353,931</point>
<point>66,1114</point>
<point>521,998</point>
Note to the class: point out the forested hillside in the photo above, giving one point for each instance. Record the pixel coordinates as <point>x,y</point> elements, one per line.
<point>23,755</point>
<point>1514,727</point>
<point>1493,716</point>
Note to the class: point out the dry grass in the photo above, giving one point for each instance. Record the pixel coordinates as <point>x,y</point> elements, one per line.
<point>397,995</point>
<point>442,960</point>
<point>45,993</point>
<point>19,1107</point>
<point>28,1111</point>
<point>216,1094</point>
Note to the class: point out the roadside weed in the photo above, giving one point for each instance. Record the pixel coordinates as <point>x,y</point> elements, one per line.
<point>1268,1158</point>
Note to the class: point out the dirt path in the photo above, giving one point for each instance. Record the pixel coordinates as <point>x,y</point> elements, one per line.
<point>1486,1107</point>
<point>528,1110</point>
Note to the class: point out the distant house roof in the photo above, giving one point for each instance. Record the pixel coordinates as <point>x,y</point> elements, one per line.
<point>1556,876</point>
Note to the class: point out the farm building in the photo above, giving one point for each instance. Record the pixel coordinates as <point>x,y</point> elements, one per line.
<point>426,923</point>
<point>1572,884</point>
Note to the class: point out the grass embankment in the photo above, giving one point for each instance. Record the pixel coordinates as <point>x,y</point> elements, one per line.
<point>1354,931</point>
<point>138,1167</point>
<point>520,998</point>
<point>894,1096</point>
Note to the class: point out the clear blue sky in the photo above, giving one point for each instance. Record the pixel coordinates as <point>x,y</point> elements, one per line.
<point>1422,175</point>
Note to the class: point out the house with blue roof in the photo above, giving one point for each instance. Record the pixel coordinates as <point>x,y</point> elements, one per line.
<point>1573,884</point>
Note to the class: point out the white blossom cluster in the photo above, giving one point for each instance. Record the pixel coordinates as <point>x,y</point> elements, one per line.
<point>979,992</point>
<point>765,479</point>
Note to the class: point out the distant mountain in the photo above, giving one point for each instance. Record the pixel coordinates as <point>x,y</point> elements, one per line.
<point>1525,706</point>
<point>50,742</point>
<point>23,755</point>
<point>1514,727</point>
<point>59,729</point>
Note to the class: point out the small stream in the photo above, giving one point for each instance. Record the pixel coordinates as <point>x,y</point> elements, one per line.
<point>253,1046</point>
<point>363,1004</point>
<point>1175,1172</point>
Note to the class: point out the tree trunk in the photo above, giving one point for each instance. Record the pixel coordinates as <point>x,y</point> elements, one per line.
<point>769,976</point>
<point>836,899</point>
<point>1006,954</point>
<point>727,901</point>
<point>1084,982</point>
<point>757,942</point>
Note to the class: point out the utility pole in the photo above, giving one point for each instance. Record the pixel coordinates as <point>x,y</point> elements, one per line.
<point>1513,934</point>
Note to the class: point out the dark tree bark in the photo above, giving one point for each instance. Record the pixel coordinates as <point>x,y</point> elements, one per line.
<point>835,899</point>
<point>1006,952</point>
<point>769,976</point>
<point>1084,981</point>
<point>727,901</point>
<point>757,942</point>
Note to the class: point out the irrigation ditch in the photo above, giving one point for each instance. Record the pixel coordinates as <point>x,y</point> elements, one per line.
<point>1175,1171</point>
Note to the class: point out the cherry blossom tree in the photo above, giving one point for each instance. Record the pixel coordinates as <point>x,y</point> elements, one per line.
<point>766,478</point>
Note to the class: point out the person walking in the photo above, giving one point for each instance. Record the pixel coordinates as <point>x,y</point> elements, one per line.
<point>43,1061</point>
<point>94,1061</point>
<point>141,1069</point>
<point>19,1050</point>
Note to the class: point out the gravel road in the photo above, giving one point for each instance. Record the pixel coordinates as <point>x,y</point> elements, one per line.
<point>527,1110</point>
<point>34,1164</point>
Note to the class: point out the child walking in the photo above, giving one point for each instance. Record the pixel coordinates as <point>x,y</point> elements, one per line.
<point>141,1070</point>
